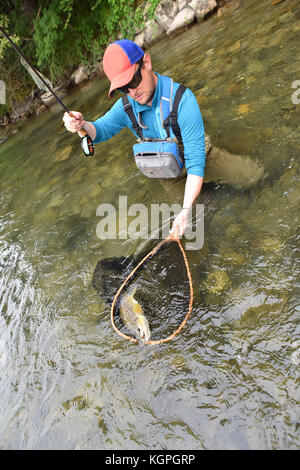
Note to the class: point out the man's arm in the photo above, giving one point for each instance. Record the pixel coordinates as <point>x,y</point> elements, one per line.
<point>193,187</point>
<point>103,128</point>
<point>192,130</point>
<point>192,190</point>
<point>90,129</point>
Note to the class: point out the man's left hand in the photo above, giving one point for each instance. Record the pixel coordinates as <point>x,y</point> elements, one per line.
<point>180,223</point>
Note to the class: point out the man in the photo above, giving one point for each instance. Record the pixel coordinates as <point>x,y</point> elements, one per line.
<point>130,71</point>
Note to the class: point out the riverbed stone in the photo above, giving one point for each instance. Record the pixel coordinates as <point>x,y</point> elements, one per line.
<point>182,4</point>
<point>144,9</point>
<point>140,39</point>
<point>165,13</point>
<point>41,109</point>
<point>202,7</point>
<point>64,154</point>
<point>217,281</point>
<point>6,119</point>
<point>153,32</point>
<point>79,75</point>
<point>49,99</point>
<point>182,19</point>
<point>98,69</point>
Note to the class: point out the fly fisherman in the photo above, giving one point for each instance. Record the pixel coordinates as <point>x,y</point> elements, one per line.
<point>164,116</point>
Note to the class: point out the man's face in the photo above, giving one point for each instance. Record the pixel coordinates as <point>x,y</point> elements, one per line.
<point>144,92</point>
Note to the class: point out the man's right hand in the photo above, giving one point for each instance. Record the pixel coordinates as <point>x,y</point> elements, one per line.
<point>73,121</point>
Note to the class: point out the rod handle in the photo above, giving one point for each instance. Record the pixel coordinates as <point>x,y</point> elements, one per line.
<point>82,132</point>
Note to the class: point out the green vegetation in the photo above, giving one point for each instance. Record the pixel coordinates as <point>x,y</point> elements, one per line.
<point>58,35</point>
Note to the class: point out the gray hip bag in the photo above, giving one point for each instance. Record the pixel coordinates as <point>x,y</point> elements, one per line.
<point>158,158</point>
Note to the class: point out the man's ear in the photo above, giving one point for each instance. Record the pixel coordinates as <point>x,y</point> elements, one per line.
<point>147,61</point>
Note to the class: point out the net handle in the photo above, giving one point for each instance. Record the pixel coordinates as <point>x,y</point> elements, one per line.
<point>170,237</point>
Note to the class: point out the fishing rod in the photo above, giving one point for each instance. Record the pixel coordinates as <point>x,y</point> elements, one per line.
<point>86,141</point>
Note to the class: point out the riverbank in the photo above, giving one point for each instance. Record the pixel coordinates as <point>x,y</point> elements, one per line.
<point>171,17</point>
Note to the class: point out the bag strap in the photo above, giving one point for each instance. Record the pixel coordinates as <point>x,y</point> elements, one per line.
<point>173,114</point>
<point>166,103</point>
<point>167,111</point>
<point>129,111</point>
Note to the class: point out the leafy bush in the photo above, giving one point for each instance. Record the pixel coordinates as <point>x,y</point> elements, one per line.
<point>72,32</point>
<point>58,35</point>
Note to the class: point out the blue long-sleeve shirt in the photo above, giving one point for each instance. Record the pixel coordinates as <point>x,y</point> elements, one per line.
<point>189,119</point>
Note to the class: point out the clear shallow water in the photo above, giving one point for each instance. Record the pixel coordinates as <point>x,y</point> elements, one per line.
<point>231,378</point>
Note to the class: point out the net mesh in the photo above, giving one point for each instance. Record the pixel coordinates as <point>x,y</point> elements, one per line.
<point>162,287</point>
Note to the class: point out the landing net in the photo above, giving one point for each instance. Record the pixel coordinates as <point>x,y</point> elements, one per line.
<point>114,308</point>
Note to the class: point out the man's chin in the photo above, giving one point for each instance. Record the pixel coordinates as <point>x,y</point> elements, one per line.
<point>144,98</point>
<point>141,99</point>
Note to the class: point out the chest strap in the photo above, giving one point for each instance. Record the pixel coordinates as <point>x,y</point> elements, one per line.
<point>171,119</point>
<point>128,109</point>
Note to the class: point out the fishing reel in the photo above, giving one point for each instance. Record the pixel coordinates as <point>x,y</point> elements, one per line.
<point>87,146</point>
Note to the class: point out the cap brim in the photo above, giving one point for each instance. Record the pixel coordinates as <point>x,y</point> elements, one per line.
<point>121,80</point>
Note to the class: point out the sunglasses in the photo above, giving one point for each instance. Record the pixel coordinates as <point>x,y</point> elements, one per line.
<point>136,80</point>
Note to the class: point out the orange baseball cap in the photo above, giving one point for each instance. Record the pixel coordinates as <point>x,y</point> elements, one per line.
<point>119,61</point>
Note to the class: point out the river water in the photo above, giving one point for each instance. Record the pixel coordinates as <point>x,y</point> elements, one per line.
<point>230,379</point>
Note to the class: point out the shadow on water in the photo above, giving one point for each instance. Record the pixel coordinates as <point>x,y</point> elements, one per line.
<point>230,379</point>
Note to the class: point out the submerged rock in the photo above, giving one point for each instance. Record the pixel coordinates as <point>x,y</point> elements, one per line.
<point>64,154</point>
<point>270,244</point>
<point>240,172</point>
<point>217,281</point>
<point>234,259</point>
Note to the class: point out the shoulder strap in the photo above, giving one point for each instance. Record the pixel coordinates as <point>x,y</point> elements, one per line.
<point>166,103</point>
<point>173,114</point>
<point>167,111</point>
<point>128,109</point>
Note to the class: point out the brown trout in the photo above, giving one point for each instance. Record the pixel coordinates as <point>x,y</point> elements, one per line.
<point>133,317</point>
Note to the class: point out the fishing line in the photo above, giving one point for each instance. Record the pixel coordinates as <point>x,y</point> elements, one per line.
<point>169,238</point>
<point>86,141</point>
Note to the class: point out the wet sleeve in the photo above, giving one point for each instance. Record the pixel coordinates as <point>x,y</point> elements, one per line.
<point>111,123</point>
<point>192,131</point>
